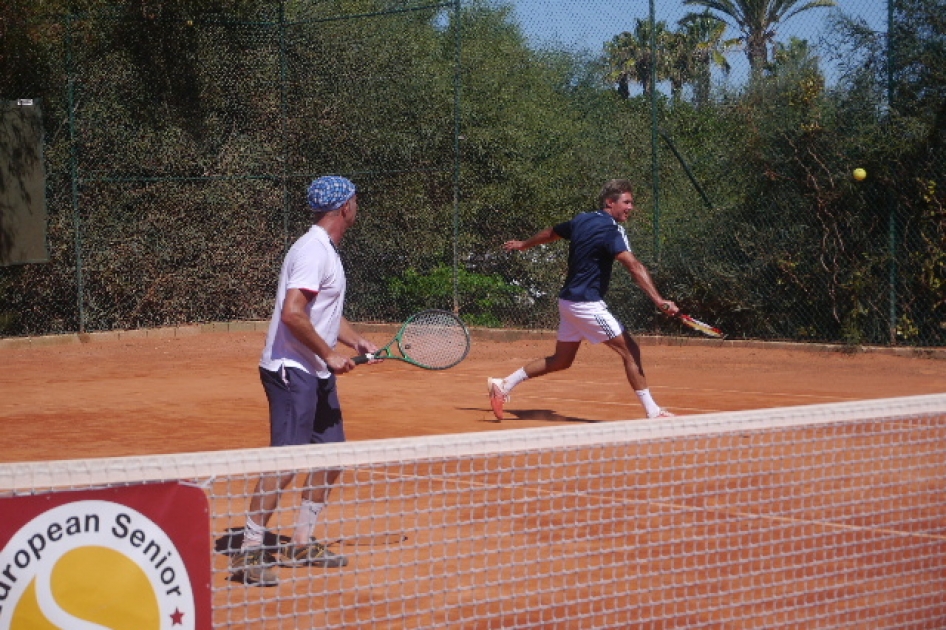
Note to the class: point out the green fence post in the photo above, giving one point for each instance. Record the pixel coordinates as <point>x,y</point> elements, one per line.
<point>654,162</point>
<point>457,83</point>
<point>891,194</point>
<point>283,115</point>
<point>74,170</point>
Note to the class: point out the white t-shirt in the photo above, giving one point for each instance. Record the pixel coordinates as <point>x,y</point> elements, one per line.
<point>311,264</point>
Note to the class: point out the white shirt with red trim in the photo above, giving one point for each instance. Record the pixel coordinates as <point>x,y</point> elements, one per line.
<point>312,264</point>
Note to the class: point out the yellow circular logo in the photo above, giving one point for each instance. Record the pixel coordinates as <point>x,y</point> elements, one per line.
<point>93,565</point>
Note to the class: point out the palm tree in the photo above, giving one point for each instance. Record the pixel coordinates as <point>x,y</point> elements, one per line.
<point>702,46</point>
<point>629,56</point>
<point>757,20</point>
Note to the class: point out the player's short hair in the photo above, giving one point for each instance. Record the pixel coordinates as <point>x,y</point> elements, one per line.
<point>612,189</point>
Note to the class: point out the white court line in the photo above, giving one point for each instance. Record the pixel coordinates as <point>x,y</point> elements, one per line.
<point>511,406</point>
<point>597,385</point>
<point>829,397</point>
<point>681,508</point>
<point>634,405</point>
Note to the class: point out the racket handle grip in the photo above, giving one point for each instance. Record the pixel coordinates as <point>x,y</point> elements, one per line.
<point>362,359</point>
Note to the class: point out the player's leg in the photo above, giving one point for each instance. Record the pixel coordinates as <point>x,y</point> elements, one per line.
<point>576,322</point>
<point>319,485</point>
<point>253,564</point>
<point>561,359</point>
<point>263,504</point>
<point>291,406</point>
<point>325,427</point>
<point>630,353</point>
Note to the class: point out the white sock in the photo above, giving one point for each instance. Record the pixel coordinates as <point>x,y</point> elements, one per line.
<point>647,400</point>
<point>514,379</point>
<point>253,534</point>
<point>305,524</point>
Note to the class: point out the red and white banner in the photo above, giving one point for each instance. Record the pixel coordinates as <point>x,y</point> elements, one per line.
<point>130,557</point>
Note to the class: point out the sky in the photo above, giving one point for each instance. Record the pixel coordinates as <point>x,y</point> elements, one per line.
<point>588,24</point>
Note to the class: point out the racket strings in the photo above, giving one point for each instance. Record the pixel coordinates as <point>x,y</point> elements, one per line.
<point>437,340</point>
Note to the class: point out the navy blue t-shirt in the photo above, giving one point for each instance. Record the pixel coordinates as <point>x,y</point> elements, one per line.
<point>595,238</point>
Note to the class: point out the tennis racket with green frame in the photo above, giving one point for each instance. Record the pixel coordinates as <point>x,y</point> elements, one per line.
<point>431,339</point>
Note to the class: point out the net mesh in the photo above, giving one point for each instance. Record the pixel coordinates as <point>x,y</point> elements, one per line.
<point>828,516</point>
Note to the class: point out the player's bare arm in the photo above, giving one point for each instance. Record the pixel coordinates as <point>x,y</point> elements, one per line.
<point>350,337</point>
<point>539,238</point>
<point>295,316</point>
<point>643,279</point>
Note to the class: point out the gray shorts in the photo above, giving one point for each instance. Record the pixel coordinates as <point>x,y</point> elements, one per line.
<point>303,408</point>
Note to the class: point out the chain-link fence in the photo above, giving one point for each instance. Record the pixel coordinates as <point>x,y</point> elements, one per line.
<point>180,137</point>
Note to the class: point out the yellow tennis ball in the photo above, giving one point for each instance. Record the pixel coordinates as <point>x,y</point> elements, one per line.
<point>860,174</point>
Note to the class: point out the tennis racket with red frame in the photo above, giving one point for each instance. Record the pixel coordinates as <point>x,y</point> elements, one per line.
<point>703,327</point>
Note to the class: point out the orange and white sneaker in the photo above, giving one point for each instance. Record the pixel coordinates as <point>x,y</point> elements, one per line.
<point>663,413</point>
<point>497,396</point>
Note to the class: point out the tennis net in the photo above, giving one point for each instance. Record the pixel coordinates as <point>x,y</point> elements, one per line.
<point>823,516</point>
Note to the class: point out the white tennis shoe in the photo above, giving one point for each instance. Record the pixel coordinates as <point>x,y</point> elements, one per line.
<point>497,396</point>
<point>663,413</point>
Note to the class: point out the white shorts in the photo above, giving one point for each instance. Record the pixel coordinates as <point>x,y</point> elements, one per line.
<point>586,320</point>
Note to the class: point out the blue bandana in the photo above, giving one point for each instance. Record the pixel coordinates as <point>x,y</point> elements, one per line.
<point>329,193</point>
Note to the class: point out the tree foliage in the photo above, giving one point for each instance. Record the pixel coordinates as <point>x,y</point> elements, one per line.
<point>757,21</point>
<point>181,135</point>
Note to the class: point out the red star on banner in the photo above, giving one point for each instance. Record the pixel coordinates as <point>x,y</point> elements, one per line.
<point>177,618</point>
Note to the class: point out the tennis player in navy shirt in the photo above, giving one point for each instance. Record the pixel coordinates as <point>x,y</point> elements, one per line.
<point>596,240</point>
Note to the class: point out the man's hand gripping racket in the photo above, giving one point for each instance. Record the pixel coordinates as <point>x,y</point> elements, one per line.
<point>432,339</point>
